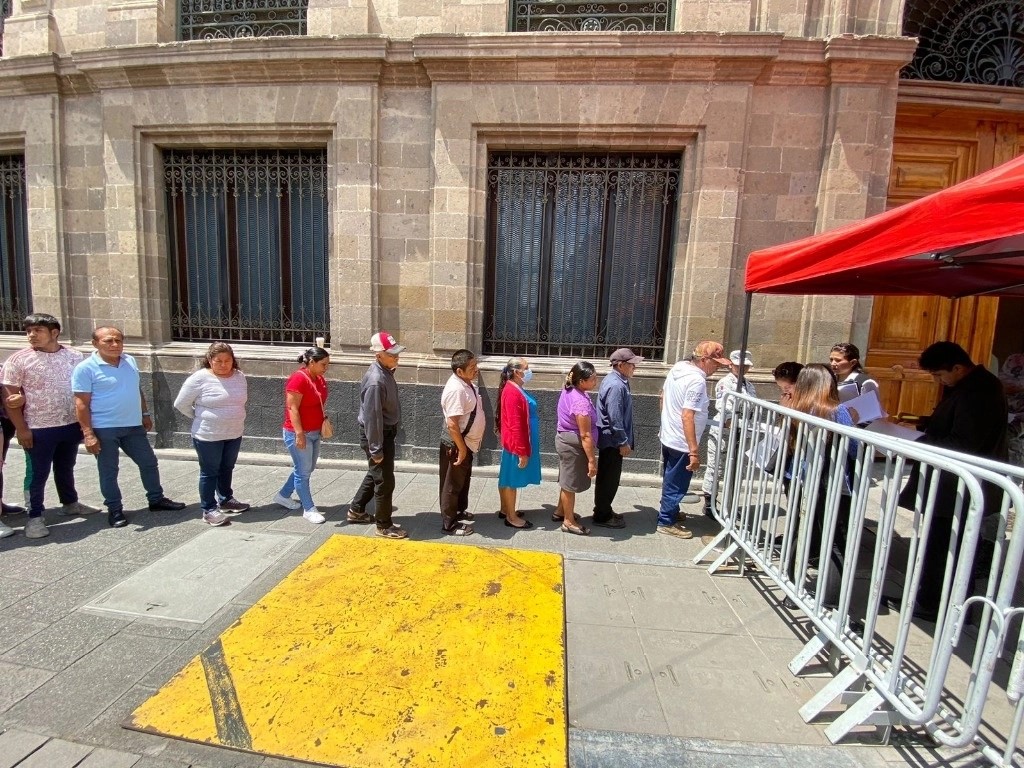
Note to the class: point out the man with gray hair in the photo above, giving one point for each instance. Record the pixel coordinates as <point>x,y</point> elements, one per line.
<point>684,414</point>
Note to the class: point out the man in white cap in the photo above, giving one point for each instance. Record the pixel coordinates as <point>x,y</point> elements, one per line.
<point>684,414</point>
<point>379,416</point>
<point>615,435</point>
<point>722,419</point>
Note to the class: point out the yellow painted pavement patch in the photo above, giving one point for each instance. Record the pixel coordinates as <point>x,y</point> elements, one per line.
<point>381,653</point>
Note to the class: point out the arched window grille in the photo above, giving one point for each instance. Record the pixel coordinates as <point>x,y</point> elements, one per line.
<point>966,41</point>
<point>15,271</point>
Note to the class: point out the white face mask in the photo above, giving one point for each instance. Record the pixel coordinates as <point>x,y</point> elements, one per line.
<point>527,375</point>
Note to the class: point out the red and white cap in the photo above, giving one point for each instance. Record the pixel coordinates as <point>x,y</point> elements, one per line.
<point>385,342</point>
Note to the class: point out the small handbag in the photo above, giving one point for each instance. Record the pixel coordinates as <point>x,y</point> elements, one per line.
<point>326,428</point>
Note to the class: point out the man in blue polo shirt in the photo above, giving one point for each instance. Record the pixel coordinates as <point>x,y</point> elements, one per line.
<point>111,410</point>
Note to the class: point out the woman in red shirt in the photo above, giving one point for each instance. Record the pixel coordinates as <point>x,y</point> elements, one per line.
<point>517,421</point>
<point>305,399</point>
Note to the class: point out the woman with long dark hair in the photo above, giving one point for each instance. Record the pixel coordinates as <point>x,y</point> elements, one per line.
<point>517,422</point>
<point>576,444</point>
<point>305,396</point>
<point>214,398</point>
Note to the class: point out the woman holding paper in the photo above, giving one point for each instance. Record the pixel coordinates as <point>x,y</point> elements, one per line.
<point>853,380</point>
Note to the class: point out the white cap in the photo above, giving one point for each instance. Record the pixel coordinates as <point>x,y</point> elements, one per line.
<point>734,358</point>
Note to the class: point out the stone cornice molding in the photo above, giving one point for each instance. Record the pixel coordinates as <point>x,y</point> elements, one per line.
<point>867,58</point>
<point>762,58</point>
<point>235,62</point>
<point>30,75</point>
<point>597,57</point>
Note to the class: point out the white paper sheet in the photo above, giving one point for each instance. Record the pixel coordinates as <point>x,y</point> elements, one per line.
<point>867,405</point>
<point>894,430</point>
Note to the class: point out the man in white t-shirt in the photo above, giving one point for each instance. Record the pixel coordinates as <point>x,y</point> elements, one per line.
<point>461,435</point>
<point>684,414</point>
<point>46,426</point>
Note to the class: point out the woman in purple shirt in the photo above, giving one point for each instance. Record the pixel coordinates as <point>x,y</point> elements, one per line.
<point>576,444</point>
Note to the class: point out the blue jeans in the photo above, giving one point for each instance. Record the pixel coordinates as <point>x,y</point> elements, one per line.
<point>216,466</point>
<point>135,444</point>
<point>303,464</point>
<point>56,448</point>
<point>674,484</point>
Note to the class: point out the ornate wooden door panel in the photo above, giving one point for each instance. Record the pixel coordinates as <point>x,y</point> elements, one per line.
<point>931,153</point>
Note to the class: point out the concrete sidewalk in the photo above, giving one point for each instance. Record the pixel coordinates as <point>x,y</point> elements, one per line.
<point>667,666</point>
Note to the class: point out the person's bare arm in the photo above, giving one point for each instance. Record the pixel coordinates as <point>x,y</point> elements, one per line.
<point>292,400</point>
<point>690,432</point>
<point>83,410</point>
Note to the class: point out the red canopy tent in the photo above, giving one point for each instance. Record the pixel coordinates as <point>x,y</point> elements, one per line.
<point>961,241</point>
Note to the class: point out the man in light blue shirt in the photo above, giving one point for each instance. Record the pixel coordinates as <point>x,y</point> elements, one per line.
<point>111,410</point>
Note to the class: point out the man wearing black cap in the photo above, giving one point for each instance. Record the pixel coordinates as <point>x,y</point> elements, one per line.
<point>615,435</point>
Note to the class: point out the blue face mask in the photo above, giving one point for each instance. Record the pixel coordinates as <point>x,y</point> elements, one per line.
<point>527,375</point>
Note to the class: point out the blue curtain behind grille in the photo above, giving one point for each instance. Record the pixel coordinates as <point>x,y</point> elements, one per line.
<point>258,228</point>
<point>309,257</point>
<point>520,206</point>
<point>638,217</point>
<point>576,257</point>
<point>206,252</point>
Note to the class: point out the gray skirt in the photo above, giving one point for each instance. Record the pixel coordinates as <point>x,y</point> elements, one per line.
<point>572,463</point>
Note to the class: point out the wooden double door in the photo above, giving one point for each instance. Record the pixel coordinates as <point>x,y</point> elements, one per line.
<point>932,150</point>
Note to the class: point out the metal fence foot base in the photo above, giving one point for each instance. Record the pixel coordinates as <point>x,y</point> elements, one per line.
<point>814,646</point>
<point>837,686</point>
<point>722,536</point>
<point>864,711</point>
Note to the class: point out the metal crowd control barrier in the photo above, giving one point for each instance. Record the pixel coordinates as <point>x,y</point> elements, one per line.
<point>801,498</point>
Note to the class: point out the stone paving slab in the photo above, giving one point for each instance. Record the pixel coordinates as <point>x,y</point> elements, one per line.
<point>613,631</point>
<point>198,578</point>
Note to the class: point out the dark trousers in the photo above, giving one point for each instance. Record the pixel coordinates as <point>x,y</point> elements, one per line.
<point>135,444</point>
<point>933,568</point>
<point>454,484</point>
<point>53,448</point>
<point>216,468</point>
<point>8,430</point>
<point>379,482</point>
<point>606,485</point>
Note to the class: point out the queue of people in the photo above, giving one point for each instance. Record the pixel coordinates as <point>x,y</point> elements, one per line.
<point>57,399</point>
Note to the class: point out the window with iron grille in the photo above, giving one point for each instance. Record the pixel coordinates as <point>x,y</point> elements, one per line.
<point>624,16</point>
<point>6,7</point>
<point>247,240</point>
<point>209,19</point>
<point>970,41</point>
<point>15,283</point>
<point>578,252</point>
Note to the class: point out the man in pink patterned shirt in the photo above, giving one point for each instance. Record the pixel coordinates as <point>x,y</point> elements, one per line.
<point>46,426</point>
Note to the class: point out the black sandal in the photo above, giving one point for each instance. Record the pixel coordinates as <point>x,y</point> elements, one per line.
<point>526,524</point>
<point>459,529</point>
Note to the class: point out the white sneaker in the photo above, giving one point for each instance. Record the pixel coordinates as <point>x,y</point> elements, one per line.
<point>35,528</point>
<point>77,509</point>
<point>286,502</point>
<point>313,515</point>
<point>5,530</point>
<point>215,517</point>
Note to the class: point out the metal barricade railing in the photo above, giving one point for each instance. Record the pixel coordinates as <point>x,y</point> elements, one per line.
<point>797,495</point>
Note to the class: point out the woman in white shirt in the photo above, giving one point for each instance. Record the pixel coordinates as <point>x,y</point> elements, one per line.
<point>844,360</point>
<point>214,398</point>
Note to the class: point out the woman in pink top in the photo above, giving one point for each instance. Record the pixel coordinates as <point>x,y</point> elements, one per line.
<point>576,444</point>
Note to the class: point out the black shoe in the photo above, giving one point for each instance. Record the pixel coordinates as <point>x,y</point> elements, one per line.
<point>165,505</point>
<point>615,521</point>
<point>707,506</point>
<point>116,519</point>
<point>13,509</point>
<point>526,524</point>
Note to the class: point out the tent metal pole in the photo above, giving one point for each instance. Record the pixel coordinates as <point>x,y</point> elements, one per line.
<point>744,339</point>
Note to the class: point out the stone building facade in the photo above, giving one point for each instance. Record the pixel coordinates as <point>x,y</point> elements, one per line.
<point>779,118</point>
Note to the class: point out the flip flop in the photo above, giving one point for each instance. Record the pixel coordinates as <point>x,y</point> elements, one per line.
<point>467,517</point>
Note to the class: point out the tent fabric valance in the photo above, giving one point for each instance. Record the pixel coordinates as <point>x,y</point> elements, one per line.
<point>961,241</point>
